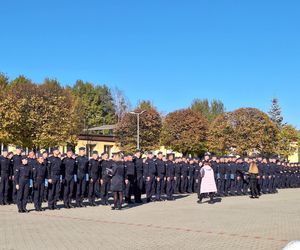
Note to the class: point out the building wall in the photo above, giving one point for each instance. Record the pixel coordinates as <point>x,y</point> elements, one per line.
<point>99,146</point>
<point>295,157</point>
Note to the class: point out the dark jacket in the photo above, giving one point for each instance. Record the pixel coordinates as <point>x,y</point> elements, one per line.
<point>118,177</point>
<point>94,169</point>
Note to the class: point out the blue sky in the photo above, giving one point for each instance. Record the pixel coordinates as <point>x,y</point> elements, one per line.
<point>169,52</point>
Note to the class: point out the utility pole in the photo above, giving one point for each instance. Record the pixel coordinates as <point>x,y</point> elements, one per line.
<point>138,127</point>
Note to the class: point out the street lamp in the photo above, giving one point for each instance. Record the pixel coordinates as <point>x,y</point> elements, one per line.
<point>138,127</point>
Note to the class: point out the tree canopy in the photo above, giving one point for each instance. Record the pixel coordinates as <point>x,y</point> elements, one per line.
<point>185,131</point>
<point>96,103</point>
<point>210,110</point>
<point>150,129</point>
<point>246,130</point>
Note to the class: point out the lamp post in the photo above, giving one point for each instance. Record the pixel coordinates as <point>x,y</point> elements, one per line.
<point>138,127</point>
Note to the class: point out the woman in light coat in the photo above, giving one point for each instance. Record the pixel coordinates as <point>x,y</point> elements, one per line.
<point>208,183</point>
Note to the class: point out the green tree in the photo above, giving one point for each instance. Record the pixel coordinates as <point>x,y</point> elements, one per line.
<point>185,131</point>
<point>208,109</point>
<point>275,113</point>
<point>96,102</point>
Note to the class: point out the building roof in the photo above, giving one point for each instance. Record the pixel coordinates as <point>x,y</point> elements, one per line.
<point>104,127</point>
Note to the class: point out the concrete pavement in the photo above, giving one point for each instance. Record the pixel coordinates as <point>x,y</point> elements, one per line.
<point>233,223</point>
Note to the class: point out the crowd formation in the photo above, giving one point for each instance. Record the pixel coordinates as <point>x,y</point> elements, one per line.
<point>50,177</point>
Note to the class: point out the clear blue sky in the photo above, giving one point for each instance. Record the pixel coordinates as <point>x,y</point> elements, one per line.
<point>170,52</point>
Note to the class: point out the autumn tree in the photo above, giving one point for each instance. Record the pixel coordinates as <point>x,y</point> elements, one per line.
<point>36,116</point>
<point>287,141</point>
<point>3,82</point>
<point>210,110</point>
<point>185,131</point>
<point>245,130</point>
<point>150,128</point>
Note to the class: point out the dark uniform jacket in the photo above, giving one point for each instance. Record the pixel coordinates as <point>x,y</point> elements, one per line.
<point>39,173</point>
<point>118,175</point>
<point>23,174</point>
<point>94,169</point>
<point>161,168</point>
<point>149,168</point>
<point>54,168</point>
<point>68,168</point>
<point>5,167</point>
<point>82,166</point>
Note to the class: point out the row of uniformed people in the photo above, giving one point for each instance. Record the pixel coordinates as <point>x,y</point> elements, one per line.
<point>54,174</point>
<point>232,177</point>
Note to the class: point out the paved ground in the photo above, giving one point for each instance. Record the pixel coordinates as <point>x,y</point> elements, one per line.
<point>234,223</point>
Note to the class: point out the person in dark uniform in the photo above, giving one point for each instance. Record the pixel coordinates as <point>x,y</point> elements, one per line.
<point>82,176</point>
<point>184,175</point>
<point>31,163</point>
<point>16,161</point>
<point>130,176</point>
<point>196,175</point>
<point>39,176</point>
<point>191,176</point>
<point>170,174</point>
<point>272,176</point>
<point>68,177</point>
<point>106,166</point>
<point>227,176</point>
<point>177,176</point>
<point>245,169</point>
<point>149,171</point>
<point>23,173</point>
<point>160,179</point>
<point>265,175</point>
<point>94,175</point>
<point>239,176</point>
<point>117,180</point>
<point>221,177</point>
<point>139,186</point>
<point>46,162</point>
<point>54,179</point>
<point>5,176</point>
<point>233,170</point>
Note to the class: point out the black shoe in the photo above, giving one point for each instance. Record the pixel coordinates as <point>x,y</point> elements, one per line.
<point>138,201</point>
<point>20,211</point>
<point>211,202</point>
<point>113,208</point>
<point>82,205</point>
<point>256,197</point>
<point>252,197</point>
<point>51,208</point>
<point>199,201</point>
<point>130,202</point>
<point>25,210</point>
<point>148,200</point>
<point>92,204</point>
<point>56,207</point>
<point>71,206</point>
<point>66,206</point>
